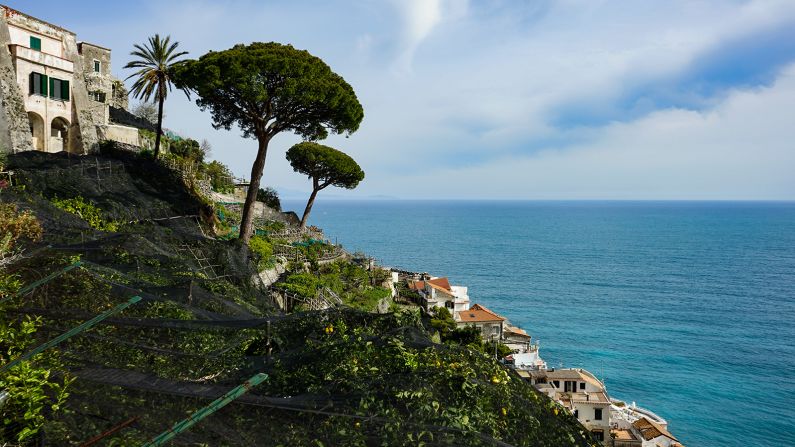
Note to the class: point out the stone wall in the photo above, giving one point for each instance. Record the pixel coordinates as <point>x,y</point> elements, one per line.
<point>120,134</point>
<point>100,82</point>
<point>83,130</point>
<point>15,133</point>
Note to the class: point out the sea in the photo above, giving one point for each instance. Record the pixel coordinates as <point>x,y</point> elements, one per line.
<point>686,308</point>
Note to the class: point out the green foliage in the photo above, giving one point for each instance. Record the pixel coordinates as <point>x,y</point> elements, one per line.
<point>271,226</point>
<point>443,322</point>
<point>33,391</point>
<point>86,211</point>
<point>16,226</point>
<point>260,87</point>
<point>302,284</point>
<point>188,149</point>
<point>266,89</point>
<point>325,165</point>
<point>385,369</point>
<point>220,177</point>
<point>269,197</point>
<point>470,336</point>
<point>352,283</point>
<point>153,65</point>
<point>263,250</point>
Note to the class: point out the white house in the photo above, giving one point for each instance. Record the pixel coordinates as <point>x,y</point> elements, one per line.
<point>584,395</point>
<point>437,292</point>
<point>57,90</point>
<point>490,324</point>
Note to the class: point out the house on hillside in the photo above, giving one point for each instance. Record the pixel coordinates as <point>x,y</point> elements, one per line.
<point>489,323</point>
<point>653,434</point>
<point>583,394</point>
<point>437,292</point>
<point>56,91</point>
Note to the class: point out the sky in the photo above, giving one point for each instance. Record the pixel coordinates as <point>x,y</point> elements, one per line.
<point>491,99</point>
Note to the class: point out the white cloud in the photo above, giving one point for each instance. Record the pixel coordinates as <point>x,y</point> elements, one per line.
<point>472,89</point>
<point>742,149</point>
<point>420,17</point>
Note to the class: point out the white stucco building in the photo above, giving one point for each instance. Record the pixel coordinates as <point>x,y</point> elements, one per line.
<point>581,393</point>
<point>437,292</point>
<point>56,91</point>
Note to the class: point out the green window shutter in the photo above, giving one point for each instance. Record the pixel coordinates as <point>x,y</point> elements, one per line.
<point>35,43</point>
<point>43,85</point>
<point>52,86</point>
<point>32,80</point>
<point>65,90</point>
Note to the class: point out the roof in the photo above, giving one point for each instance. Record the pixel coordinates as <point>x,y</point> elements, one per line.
<point>82,42</point>
<point>574,374</point>
<point>440,283</point>
<point>513,330</point>
<point>650,429</point>
<point>416,285</point>
<point>478,314</point>
<point>623,434</point>
<point>10,12</point>
<point>598,397</point>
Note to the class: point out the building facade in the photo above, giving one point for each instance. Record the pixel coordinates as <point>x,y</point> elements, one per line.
<point>55,90</point>
<point>437,292</point>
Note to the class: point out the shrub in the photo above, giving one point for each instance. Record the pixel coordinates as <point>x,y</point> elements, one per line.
<point>34,393</point>
<point>263,250</point>
<point>269,197</point>
<point>220,177</point>
<point>15,226</point>
<point>303,284</point>
<point>188,149</point>
<point>86,211</point>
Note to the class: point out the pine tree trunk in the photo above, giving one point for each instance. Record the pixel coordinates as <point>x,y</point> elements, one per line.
<point>159,126</point>
<point>246,224</point>
<point>309,206</point>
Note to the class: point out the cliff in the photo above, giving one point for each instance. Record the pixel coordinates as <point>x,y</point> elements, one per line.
<point>204,325</point>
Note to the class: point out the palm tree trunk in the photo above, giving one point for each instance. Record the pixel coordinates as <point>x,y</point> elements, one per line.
<point>308,208</point>
<point>246,224</point>
<point>159,125</point>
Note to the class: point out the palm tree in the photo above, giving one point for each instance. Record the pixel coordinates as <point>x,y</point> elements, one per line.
<point>153,76</point>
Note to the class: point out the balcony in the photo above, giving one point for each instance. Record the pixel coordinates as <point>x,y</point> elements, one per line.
<point>37,57</point>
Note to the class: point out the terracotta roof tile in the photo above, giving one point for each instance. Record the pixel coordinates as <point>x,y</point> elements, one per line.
<point>477,314</point>
<point>650,429</point>
<point>440,282</point>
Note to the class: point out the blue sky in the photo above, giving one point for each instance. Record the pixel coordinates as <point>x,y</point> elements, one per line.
<point>544,99</point>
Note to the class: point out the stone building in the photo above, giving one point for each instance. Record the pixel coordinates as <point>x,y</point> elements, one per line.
<point>55,92</point>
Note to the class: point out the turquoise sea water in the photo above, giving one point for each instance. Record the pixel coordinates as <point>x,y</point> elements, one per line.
<point>687,308</point>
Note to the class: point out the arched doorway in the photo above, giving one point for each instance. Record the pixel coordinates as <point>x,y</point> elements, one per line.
<point>59,135</point>
<point>37,131</point>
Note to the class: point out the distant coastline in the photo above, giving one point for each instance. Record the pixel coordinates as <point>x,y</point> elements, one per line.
<point>667,270</point>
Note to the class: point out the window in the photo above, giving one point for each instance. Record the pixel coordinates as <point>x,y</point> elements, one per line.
<point>98,96</point>
<point>582,385</point>
<point>597,414</point>
<point>448,304</point>
<point>38,84</point>
<point>556,383</point>
<point>577,413</point>
<point>59,89</point>
<point>599,435</point>
<point>97,66</point>
<point>35,43</point>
